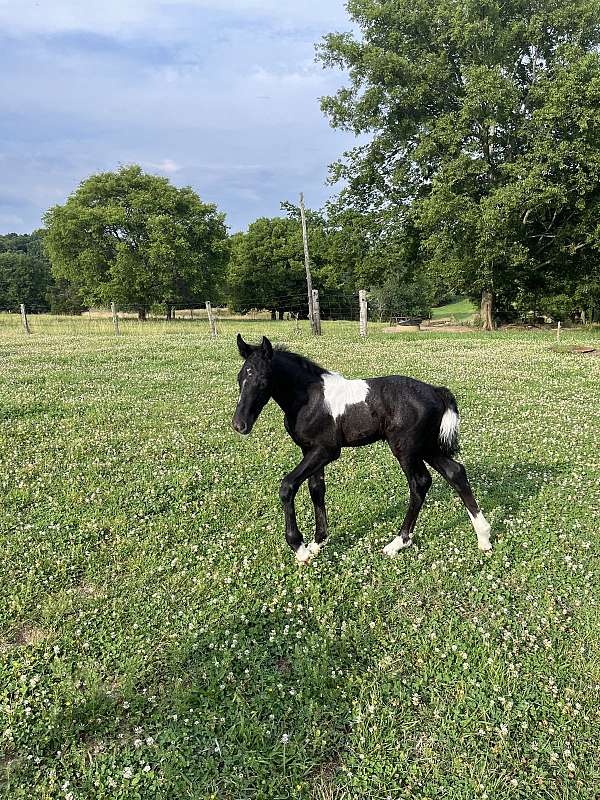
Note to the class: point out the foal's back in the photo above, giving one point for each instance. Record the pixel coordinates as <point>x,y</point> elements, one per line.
<point>379,408</point>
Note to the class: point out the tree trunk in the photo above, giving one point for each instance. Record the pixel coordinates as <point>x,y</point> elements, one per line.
<point>487,309</point>
<point>280,312</point>
<point>142,314</point>
<point>273,314</point>
<point>168,314</point>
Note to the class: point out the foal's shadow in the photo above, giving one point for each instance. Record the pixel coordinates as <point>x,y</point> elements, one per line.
<point>498,490</point>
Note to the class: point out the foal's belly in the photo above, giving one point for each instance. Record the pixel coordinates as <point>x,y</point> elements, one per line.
<point>358,426</point>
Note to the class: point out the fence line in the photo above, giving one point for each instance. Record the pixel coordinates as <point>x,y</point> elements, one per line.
<point>326,305</point>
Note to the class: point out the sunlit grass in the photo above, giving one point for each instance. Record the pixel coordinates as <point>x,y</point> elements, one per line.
<point>459,311</point>
<point>158,640</point>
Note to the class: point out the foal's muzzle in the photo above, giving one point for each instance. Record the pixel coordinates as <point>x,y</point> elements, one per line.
<point>240,426</point>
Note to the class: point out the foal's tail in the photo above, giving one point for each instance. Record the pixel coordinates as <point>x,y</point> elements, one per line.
<point>448,436</point>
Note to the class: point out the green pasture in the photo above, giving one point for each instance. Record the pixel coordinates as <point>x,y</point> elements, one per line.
<point>158,639</point>
<point>460,311</point>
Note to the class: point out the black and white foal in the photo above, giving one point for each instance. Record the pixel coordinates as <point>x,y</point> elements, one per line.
<point>325,412</point>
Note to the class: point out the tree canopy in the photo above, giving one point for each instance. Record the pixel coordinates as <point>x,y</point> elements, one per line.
<point>349,250</point>
<point>135,239</point>
<point>267,269</point>
<point>484,137</point>
<point>25,275</point>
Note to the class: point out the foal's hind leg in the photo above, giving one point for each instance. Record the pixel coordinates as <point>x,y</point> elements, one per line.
<point>456,475</point>
<point>419,481</point>
<point>316,487</point>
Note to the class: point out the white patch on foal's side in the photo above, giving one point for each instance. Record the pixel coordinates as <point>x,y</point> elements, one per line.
<point>482,529</point>
<point>449,426</point>
<point>339,392</point>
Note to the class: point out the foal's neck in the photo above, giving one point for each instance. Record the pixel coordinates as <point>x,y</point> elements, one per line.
<point>290,383</point>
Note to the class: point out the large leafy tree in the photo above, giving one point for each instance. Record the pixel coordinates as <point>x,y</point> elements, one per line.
<point>135,239</point>
<point>484,135</point>
<point>266,268</point>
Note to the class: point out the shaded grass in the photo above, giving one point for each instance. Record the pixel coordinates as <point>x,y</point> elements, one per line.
<point>179,652</point>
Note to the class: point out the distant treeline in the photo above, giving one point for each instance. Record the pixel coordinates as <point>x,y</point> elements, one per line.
<point>26,277</point>
<point>134,239</point>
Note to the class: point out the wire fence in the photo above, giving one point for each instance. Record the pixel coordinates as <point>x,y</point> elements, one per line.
<point>122,318</point>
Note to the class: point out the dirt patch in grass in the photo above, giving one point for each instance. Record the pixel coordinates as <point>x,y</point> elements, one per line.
<point>28,635</point>
<point>429,329</point>
<point>87,589</point>
<point>402,329</point>
<point>584,351</point>
<point>448,329</point>
<point>324,785</point>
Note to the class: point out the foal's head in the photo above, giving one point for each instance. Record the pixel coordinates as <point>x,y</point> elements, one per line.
<point>255,383</point>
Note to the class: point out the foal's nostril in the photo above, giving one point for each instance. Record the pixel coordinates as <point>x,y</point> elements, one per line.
<point>238,426</point>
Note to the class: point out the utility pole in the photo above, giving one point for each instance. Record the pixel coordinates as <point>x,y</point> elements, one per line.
<point>309,285</point>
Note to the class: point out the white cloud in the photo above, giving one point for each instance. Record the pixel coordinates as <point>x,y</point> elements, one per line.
<point>227,88</point>
<point>166,165</point>
<point>166,18</point>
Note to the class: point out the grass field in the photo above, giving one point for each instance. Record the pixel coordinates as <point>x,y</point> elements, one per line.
<point>158,640</point>
<point>460,311</point>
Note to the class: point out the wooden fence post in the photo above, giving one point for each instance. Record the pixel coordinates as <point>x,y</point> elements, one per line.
<point>115,318</point>
<point>558,332</point>
<point>211,320</point>
<point>316,312</point>
<point>362,300</point>
<point>24,319</point>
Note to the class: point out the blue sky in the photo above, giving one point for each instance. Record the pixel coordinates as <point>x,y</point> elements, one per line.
<point>221,95</point>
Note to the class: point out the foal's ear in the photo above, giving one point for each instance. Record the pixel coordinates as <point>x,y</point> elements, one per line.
<point>244,348</point>
<point>267,348</point>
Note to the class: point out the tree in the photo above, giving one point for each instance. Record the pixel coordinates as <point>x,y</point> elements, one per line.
<point>25,275</point>
<point>484,125</point>
<point>349,250</point>
<point>134,239</point>
<point>266,269</point>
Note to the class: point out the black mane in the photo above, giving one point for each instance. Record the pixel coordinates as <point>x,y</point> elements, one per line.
<point>295,360</point>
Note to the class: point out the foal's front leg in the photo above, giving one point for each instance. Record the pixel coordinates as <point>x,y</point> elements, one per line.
<point>316,487</point>
<point>313,461</point>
